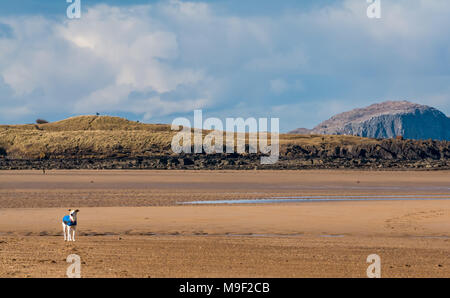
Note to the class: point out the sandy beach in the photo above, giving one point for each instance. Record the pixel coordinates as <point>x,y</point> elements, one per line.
<point>135,223</point>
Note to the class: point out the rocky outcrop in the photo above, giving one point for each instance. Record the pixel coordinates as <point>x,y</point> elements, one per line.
<point>384,154</point>
<point>387,120</point>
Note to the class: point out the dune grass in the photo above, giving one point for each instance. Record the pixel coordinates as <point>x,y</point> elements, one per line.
<point>99,136</point>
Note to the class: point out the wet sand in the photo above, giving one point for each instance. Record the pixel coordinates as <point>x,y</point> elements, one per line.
<point>130,224</point>
<point>32,189</point>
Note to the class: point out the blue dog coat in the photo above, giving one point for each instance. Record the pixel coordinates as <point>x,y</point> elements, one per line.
<point>67,221</point>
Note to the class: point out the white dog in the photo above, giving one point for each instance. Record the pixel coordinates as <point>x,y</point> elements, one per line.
<point>69,224</point>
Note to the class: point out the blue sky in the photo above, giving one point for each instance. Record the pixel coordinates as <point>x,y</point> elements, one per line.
<point>153,61</point>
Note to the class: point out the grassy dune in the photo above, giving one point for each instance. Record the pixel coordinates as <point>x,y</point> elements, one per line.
<point>102,136</point>
<point>90,134</point>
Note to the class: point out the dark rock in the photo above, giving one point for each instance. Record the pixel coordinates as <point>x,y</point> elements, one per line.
<point>385,154</point>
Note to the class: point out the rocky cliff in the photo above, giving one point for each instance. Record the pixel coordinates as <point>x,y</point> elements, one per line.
<point>387,120</point>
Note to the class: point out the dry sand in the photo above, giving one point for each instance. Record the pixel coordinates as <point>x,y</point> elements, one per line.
<point>131,226</point>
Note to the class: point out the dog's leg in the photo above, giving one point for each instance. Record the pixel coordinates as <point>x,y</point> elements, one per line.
<point>64,230</point>
<point>69,236</point>
<point>74,229</point>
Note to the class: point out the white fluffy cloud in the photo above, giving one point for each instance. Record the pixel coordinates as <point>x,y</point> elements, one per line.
<point>94,64</point>
<point>155,61</point>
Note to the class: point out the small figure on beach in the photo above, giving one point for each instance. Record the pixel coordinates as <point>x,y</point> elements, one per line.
<point>69,224</point>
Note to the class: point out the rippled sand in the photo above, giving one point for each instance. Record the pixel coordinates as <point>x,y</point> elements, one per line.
<point>130,224</point>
